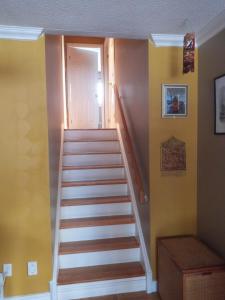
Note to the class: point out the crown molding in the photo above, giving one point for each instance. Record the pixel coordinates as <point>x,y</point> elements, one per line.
<point>216,25</point>
<point>168,40</point>
<point>20,33</point>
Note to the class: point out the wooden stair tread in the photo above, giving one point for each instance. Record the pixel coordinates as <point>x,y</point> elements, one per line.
<point>84,129</point>
<point>98,245</point>
<point>91,152</point>
<point>100,273</point>
<point>106,166</point>
<point>97,200</point>
<point>73,140</point>
<point>94,182</point>
<point>96,221</point>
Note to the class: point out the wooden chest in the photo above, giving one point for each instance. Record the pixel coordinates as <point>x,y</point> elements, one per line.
<point>189,270</point>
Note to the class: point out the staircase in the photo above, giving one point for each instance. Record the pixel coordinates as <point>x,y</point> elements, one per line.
<point>99,250</point>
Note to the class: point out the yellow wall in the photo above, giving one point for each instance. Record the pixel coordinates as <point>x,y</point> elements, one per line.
<point>173,198</point>
<point>24,180</point>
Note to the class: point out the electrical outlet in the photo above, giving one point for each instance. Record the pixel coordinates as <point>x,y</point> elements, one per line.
<point>32,268</point>
<point>7,270</point>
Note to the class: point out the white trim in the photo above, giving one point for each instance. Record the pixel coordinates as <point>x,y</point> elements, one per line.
<point>214,26</point>
<point>148,270</point>
<point>168,40</point>
<point>53,283</point>
<point>20,33</point>
<point>101,288</point>
<point>44,296</point>
<point>154,286</point>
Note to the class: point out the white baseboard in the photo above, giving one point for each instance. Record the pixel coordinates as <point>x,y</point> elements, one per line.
<point>43,296</point>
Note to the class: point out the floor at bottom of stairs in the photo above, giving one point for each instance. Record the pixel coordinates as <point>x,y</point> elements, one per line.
<point>129,296</point>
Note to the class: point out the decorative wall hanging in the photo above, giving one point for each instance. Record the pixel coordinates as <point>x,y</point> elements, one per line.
<point>174,100</point>
<point>189,53</point>
<point>219,119</point>
<point>173,155</point>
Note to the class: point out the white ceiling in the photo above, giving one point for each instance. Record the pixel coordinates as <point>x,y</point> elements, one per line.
<point>118,18</point>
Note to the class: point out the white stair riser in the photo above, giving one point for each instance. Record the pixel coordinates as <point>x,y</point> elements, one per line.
<point>90,134</point>
<point>91,159</point>
<point>101,288</point>
<point>85,147</point>
<point>96,210</point>
<point>95,233</point>
<point>93,174</point>
<point>99,258</point>
<point>94,191</point>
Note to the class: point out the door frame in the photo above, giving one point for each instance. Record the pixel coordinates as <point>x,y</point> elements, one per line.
<point>85,45</point>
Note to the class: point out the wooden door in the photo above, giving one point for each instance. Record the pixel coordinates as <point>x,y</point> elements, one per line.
<point>82,80</point>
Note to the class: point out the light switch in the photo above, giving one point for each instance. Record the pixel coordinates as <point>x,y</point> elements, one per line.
<point>7,270</point>
<point>32,268</point>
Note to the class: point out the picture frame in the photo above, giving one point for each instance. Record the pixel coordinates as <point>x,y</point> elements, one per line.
<point>219,105</point>
<point>174,100</point>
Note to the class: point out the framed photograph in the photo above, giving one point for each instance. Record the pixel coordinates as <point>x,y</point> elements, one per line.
<point>219,120</point>
<point>174,100</point>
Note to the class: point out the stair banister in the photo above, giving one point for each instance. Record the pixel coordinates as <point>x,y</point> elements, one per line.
<point>134,167</point>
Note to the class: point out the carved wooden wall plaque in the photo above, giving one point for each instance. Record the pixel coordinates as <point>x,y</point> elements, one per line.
<point>173,155</point>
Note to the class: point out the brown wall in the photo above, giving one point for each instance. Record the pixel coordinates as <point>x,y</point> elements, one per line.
<point>84,40</point>
<point>131,73</point>
<point>211,148</point>
<point>55,114</point>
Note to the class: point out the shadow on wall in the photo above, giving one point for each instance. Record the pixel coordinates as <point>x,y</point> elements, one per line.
<point>131,74</point>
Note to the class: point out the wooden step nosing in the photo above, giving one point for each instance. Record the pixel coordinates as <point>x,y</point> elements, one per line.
<point>97,221</point>
<point>87,129</point>
<point>91,153</point>
<point>73,140</point>
<point>103,281</point>
<point>93,167</point>
<point>92,201</point>
<point>66,184</point>
<point>99,248</point>
<point>101,273</point>
<point>95,225</point>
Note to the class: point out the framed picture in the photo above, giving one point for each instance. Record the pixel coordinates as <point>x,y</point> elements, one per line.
<point>219,119</point>
<point>174,100</point>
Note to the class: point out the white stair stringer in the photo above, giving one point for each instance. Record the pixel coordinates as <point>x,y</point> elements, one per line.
<point>101,288</point>
<point>94,172</point>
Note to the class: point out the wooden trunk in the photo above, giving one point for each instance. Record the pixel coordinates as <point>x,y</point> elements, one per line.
<point>189,270</point>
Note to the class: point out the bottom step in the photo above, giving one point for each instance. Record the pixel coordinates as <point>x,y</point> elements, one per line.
<point>103,280</point>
